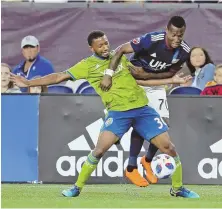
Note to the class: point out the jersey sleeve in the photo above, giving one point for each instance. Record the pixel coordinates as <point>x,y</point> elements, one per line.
<point>141,43</point>
<point>79,71</point>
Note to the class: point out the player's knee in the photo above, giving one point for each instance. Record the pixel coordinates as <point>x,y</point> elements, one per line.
<point>171,150</point>
<point>98,152</point>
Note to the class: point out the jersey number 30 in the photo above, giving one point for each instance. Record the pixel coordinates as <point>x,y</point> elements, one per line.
<point>161,122</point>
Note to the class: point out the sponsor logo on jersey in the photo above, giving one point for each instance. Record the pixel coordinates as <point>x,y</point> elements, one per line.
<point>136,40</point>
<point>158,65</point>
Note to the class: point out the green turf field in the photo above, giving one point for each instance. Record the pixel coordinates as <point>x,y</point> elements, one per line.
<point>104,196</point>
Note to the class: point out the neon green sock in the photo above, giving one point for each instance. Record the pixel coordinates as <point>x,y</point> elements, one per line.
<point>177,179</point>
<point>88,167</point>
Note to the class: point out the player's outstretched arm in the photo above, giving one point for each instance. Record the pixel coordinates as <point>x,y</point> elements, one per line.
<point>53,78</point>
<point>119,52</point>
<point>177,79</point>
<point>140,73</point>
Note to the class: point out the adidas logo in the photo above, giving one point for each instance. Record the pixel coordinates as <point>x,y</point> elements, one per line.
<point>111,165</point>
<point>214,164</point>
<point>153,55</point>
<point>216,147</point>
<point>81,144</point>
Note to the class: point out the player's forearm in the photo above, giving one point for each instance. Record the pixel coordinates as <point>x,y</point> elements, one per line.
<point>158,75</point>
<point>154,82</point>
<point>119,52</point>
<point>115,60</point>
<point>46,80</point>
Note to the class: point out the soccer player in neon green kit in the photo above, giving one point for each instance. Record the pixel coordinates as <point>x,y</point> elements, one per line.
<point>125,101</point>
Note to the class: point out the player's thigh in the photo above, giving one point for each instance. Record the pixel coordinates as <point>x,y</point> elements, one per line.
<point>149,124</point>
<point>117,123</point>
<point>135,136</point>
<point>158,101</point>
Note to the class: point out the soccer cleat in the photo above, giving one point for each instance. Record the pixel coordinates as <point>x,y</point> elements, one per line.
<point>135,178</point>
<point>183,192</point>
<point>149,173</point>
<point>73,192</point>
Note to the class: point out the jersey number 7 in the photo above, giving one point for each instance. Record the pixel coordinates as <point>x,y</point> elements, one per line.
<point>163,102</point>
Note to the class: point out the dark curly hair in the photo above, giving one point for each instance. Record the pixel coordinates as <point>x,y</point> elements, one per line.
<point>207,61</point>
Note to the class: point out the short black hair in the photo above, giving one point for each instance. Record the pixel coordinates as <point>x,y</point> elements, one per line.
<point>207,61</point>
<point>176,21</point>
<point>94,35</point>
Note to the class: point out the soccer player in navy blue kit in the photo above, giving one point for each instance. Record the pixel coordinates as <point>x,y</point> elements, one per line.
<point>158,55</point>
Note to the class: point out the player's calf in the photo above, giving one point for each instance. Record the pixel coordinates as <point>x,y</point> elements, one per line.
<point>163,142</point>
<point>105,141</point>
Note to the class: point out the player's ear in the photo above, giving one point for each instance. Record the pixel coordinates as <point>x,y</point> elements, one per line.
<point>91,49</point>
<point>38,47</point>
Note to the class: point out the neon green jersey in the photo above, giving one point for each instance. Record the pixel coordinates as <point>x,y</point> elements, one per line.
<point>124,94</point>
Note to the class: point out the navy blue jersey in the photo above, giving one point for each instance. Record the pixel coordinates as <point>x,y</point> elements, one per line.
<point>152,53</point>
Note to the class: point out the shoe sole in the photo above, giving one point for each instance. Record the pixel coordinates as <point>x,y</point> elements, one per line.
<point>68,196</point>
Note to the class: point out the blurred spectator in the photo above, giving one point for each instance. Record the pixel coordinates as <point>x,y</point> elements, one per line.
<point>37,89</point>
<point>34,64</point>
<point>201,67</point>
<point>217,88</point>
<point>211,83</point>
<point>6,85</point>
<point>49,1</point>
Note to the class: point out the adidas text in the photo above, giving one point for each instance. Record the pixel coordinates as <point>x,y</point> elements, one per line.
<point>112,166</point>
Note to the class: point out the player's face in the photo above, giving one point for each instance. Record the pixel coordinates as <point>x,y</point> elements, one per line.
<point>5,75</point>
<point>197,57</point>
<point>218,76</point>
<point>30,52</point>
<point>175,36</point>
<point>101,47</point>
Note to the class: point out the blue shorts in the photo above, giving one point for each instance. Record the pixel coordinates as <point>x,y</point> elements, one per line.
<point>145,120</point>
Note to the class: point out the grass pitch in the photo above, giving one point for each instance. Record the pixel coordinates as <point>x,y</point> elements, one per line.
<point>107,196</point>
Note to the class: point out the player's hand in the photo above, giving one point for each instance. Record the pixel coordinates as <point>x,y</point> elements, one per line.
<point>137,72</point>
<point>106,83</point>
<point>19,80</point>
<point>180,79</point>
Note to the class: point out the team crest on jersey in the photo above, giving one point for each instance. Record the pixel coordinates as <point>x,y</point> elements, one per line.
<point>108,122</point>
<point>136,40</point>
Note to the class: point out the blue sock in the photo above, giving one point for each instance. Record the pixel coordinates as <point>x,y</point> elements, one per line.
<point>135,148</point>
<point>132,161</point>
<point>152,150</point>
